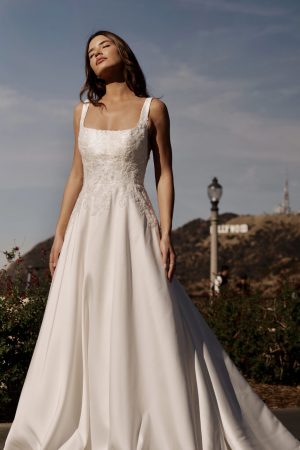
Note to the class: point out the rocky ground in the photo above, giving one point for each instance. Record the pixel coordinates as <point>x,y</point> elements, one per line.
<point>276,396</point>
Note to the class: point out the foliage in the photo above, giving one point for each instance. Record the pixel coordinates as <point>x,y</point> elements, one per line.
<point>260,334</point>
<point>21,312</point>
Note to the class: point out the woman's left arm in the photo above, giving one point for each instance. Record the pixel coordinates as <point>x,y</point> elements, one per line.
<point>162,156</point>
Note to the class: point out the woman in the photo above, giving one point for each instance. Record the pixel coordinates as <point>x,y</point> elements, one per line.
<point>124,360</point>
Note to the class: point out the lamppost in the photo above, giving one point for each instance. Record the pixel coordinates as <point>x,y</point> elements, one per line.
<point>214,191</point>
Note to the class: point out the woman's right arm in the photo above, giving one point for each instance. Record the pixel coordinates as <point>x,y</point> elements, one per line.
<point>72,189</point>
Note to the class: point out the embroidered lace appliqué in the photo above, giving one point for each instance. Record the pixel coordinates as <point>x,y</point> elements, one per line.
<point>101,200</point>
<point>114,159</point>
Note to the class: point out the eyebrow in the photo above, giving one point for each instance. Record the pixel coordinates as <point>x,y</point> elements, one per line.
<point>106,40</point>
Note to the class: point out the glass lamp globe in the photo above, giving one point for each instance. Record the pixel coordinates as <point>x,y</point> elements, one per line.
<point>214,191</point>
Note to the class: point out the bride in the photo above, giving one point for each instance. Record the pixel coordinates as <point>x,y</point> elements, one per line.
<point>124,360</point>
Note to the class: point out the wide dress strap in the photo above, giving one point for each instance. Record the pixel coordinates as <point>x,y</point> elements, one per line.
<point>145,109</point>
<point>84,111</point>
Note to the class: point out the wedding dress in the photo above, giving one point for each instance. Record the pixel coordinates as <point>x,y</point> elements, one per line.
<point>124,360</point>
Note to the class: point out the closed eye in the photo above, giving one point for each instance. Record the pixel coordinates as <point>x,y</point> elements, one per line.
<point>92,54</point>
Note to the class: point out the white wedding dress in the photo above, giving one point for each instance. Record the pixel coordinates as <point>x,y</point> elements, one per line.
<point>124,360</point>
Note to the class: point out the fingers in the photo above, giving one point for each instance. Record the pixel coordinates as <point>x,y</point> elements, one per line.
<point>169,262</point>
<point>52,266</point>
<point>52,262</point>
<point>165,259</point>
<point>172,265</point>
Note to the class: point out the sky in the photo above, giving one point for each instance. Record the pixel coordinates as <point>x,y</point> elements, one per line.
<point>228,72</point>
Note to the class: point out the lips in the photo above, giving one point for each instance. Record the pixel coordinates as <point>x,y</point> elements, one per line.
<point>99,60</point>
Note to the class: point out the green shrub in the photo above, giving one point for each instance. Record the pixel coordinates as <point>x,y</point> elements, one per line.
<point>260,334</point>
<point>21,313</point>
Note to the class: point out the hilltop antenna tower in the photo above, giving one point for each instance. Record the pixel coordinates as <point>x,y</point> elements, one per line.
<point>286,209</point>
<point>284,206</point>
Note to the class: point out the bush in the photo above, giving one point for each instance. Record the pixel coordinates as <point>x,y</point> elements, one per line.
<point>21,313</point>
<point>260,334</point>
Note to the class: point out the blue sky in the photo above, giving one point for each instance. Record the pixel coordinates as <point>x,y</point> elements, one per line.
<point>228,72</point>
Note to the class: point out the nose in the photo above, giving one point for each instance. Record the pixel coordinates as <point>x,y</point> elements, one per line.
<point>98,50</point>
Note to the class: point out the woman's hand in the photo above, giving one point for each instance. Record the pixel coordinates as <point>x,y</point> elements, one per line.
<point>168,256</point>
<point>55,251</point>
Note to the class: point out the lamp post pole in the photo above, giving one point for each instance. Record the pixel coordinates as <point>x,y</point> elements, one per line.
<point>213,244</point>
<point>214,191</point>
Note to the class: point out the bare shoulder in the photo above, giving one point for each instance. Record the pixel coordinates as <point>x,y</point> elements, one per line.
<point>158,106</point>
<point>77,110</point>
<point>158,114</point>
<point>158,110</point>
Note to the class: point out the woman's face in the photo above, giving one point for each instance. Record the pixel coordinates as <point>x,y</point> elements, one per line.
<point>104,56</point>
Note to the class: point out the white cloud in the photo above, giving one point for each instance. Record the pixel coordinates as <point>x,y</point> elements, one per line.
<point>16,106</point>
<point>239,7</point>
<point>36,139</point>
<point>211,106</point>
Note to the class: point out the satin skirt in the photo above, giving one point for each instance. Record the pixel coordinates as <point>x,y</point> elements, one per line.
<point>125,361</point>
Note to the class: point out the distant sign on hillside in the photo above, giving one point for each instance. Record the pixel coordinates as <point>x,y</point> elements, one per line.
<point>232,228</point>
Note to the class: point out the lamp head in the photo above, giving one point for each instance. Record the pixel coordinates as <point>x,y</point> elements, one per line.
<point>214,191</point>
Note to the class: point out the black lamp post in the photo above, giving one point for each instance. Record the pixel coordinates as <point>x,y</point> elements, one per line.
<point>214,191</point>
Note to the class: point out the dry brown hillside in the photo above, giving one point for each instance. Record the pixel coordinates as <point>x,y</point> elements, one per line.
<point>269,251</point>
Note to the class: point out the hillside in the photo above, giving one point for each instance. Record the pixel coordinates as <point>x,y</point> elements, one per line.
<point>267,253</point>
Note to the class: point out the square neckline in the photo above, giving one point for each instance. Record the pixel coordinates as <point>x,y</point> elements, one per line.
<point>116,130</point>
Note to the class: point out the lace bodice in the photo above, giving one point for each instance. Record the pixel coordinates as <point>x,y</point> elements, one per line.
<point>115,159</point>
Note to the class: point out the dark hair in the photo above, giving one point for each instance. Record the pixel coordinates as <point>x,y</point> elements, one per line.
<point>132,71</point>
